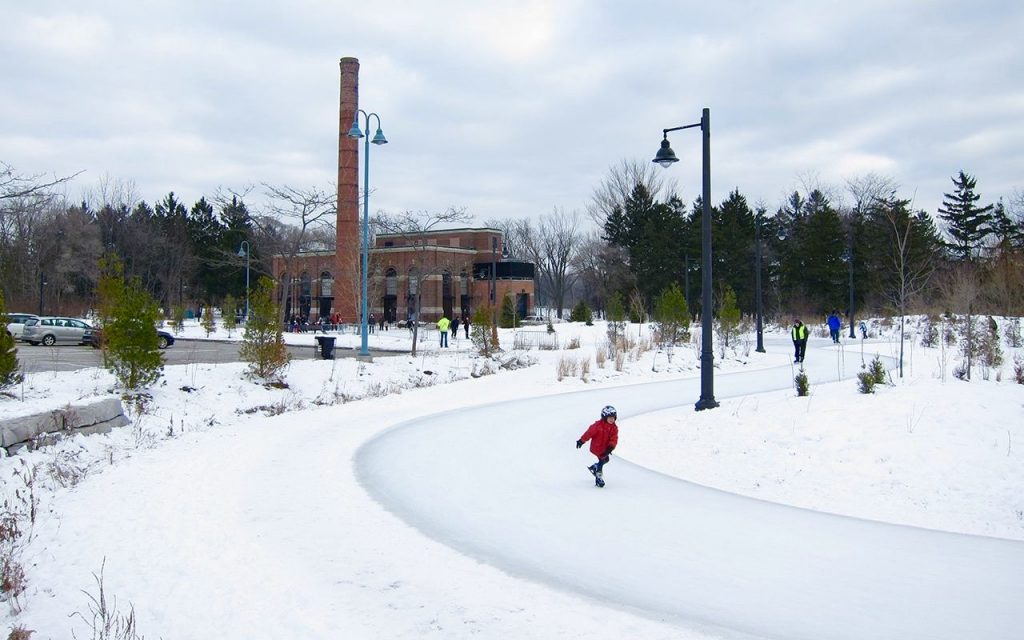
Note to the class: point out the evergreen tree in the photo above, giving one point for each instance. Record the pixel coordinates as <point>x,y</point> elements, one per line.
<point>651,232</point>
<point>482,334</point>
<point>10,368</point>
<point>228,311</point>
<point>824,272</point>
<point>263,345</point>
<point>209,322</point>
<point>734,249</point>
<point>672,316</point>
<point>582,313</point>
<point>132,343</point>
<point>509,317</point>
<point>967,223</point>
<point>728,317</point>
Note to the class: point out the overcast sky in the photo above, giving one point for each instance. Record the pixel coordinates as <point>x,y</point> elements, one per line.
<point>515,108</point>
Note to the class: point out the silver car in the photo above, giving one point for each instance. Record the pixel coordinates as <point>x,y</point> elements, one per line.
<point>51,330</point>
<point>16,323</point>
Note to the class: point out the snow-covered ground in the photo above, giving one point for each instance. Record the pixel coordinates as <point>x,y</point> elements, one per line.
<point>233,510</point>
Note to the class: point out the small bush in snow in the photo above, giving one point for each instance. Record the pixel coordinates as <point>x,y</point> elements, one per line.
<point>574,343</point>
<point>865,382</point>
<point>1013,337</point>
<point>600,356</point>
<point>1018,370</point>
<point>585,370</point>
<point>567,367</point>
<point>877,371</point>
<point>803,385</point>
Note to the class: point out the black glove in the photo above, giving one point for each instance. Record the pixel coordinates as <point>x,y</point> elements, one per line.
<point>579,444</point>
<point>609,451</point>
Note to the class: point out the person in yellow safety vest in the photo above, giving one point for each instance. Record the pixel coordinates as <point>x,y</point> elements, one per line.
<point>799,335</point>
<point>442,326</point>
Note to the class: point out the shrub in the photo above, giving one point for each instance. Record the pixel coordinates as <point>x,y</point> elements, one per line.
<point>133,347</point>
<point>482,333</point>
<point>209,322</point>
<point>10,368</point>
<point>865,382</point>
<point>263,345</point>
<point>228,312</point>
<point>177,318</point>
<point>616,318</point>
<point>672,316</point>
<point>508,313</point>
<point>728,316</point>
<point>582,313</point>
<point>1013,338</point>
<point>1018,370</point>
<point>803,385</point>
<point>877,371</point>
<point>930,333</point>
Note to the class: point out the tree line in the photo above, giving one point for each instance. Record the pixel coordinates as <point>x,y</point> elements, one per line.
<point>862,246</point>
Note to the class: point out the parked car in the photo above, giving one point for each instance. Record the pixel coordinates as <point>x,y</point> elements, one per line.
<point>16,323</point>
<point>164,339</point>
<point>51,330</point>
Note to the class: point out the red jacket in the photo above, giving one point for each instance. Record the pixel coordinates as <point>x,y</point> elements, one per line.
<point>602,435</point>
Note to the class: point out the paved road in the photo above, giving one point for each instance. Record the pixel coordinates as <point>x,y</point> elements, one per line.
<point>518,497</point>
<point>69,357</point>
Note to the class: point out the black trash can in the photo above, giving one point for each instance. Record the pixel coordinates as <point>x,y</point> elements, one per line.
<point>326,347</point>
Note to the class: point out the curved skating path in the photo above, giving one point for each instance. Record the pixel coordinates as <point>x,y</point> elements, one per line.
<point>503,483</point>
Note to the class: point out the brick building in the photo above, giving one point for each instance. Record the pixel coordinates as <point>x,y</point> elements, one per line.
<point>453,271</point>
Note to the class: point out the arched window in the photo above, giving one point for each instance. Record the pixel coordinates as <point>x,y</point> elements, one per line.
<point>326,284</point>
<point>391,282</point>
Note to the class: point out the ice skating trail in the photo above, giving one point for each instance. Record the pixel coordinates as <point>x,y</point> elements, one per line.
<point>504,484</point>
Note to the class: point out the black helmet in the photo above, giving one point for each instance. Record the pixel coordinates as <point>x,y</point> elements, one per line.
<point>609,411</point>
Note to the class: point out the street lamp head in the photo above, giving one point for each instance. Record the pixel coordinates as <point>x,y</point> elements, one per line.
<point>665,156</point>
<point>355,131</point>
<point>379,138</point>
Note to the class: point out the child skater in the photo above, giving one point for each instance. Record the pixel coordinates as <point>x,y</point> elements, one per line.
<point>603,436</point>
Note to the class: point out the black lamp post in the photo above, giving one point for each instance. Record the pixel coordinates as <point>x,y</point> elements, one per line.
<point>494,284</point>
<point>666,157</point>
<point>757,283</point>
<point>850,265</point>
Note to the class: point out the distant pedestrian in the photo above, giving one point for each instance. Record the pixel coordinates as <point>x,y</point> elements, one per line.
<point>371,322</point>
<point>799,335</point>
<point>442,326</point>
<point>863,330</point>
<point>465,324</point>
<point>603,436</point>
<point>834,324</point>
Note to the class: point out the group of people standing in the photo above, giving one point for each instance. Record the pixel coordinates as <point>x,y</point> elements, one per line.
<point>800,333</point>
<point>444,324</point>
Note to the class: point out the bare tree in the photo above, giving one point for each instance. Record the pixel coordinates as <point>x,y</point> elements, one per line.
<point>912,265</point>
<point>14,185</point>
<point>430,260</point>
<point>553,248</point>
<point>619,184</point>
<point>961,288</point>
<point>295,220</point>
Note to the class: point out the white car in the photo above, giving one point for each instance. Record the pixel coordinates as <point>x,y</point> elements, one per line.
<point>51,330</point>
<point>16,323</point>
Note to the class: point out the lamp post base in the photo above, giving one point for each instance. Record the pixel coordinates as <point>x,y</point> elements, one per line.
<point>705,403</point>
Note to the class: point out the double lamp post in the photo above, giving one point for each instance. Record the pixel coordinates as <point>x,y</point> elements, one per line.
<point>378,139</point>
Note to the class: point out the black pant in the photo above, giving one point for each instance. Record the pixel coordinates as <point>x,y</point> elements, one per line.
<point>799,348</point>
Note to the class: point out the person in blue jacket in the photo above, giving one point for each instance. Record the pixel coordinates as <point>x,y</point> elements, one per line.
<point>834,324</point>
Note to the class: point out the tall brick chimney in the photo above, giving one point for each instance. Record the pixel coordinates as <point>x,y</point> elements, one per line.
<point>347,272</point>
